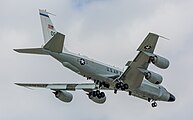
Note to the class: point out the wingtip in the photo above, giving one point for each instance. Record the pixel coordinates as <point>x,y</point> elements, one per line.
<point>23,85</point>
<point>19,84</point>
<point>16,50</point>
<point>159,35</point>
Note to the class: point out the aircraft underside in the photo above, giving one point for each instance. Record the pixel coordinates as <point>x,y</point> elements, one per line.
<point>137,80</point>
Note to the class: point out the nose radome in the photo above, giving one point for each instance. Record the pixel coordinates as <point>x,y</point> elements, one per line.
<point>171,98</point>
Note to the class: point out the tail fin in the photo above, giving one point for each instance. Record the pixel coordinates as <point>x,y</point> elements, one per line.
<point>54,41</point>
<point>47,26</point>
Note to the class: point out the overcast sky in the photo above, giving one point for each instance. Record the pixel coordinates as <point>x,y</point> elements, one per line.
<point>107,30</point>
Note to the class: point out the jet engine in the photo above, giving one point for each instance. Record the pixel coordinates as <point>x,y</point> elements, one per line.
<point>153,77</point>
<point>97,96</point>
<point>64,96</point>
<point>159,61</point>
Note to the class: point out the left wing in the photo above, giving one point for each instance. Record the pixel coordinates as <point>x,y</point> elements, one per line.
<point>61,90</point>
<point>56,87</point>
<point>133,75</point>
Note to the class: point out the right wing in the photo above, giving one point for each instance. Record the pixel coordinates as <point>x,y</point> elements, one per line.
<point>133,75</point>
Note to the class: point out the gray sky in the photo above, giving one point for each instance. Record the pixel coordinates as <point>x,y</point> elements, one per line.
<point>106,30</point>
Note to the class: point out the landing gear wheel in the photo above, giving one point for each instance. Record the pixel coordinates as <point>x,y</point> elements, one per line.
<point>97,92</point>
<point>122,88</point>
<point>125,86</point>
<point>99,96</point>
<point>94,94</point>
<point>90,95</point>
<point>118,85</point>
<point>121,85</point>
<point>102,94</point>
<point>154,104</point>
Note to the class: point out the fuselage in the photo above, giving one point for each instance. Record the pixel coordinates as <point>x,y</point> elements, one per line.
<point>136,79</point>
<point>98,71</point>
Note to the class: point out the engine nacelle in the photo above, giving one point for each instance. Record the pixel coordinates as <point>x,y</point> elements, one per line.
<point>153,77</point>
<point>159,61</point>
<point>64,96</point>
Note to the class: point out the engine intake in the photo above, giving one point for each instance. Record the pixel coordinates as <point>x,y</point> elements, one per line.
<point>153,77</point>
<point>64,96</point>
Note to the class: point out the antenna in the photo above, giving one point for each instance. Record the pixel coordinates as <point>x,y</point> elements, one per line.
<point>164,37</point>
<point>49,12</point>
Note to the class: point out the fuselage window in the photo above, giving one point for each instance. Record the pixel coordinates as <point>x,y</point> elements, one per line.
<point>116,71</point>
<point>113,70</point>
<point>107,69</point>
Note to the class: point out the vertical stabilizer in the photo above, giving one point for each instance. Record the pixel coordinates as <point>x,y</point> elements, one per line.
<point>47,26</point>
<point>53,40</point>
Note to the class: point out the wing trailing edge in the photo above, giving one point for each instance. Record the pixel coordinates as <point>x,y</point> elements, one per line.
<point>61,86</point>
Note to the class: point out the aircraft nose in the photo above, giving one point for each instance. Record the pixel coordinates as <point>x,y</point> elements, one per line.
<point>171,98</point>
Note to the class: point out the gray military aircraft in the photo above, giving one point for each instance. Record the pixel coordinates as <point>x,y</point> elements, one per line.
<point>136,80</point>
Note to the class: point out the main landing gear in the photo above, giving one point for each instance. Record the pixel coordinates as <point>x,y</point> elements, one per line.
<point>120,85</point>
<point>153,104</point>
<point>97,94</point>
<point>101,84</point>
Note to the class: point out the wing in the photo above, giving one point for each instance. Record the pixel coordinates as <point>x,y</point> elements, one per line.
<point>62,94</point>
<point>133,75</point>
<point>56,87</point>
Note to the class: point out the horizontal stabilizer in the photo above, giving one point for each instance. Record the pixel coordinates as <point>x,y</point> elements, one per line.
<point>32,51</point>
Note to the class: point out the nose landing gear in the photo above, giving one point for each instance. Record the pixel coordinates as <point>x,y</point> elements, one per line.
<point>154,104</point>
